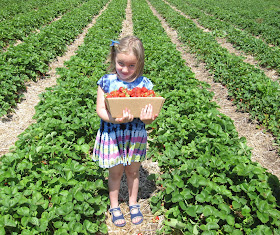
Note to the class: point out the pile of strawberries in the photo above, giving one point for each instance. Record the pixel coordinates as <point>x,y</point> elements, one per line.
<point>135,92</point>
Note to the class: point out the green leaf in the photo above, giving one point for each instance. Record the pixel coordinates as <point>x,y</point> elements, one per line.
<point>246,210</point>
<point>80,141</point>
<point>184,167</point>
<point>79,196</point>
<point>85,148</point>
<point>170,188</point>
<point>102,228</point>
<point>43,224</point>
<point>178,181</point>
<point>195,230</point>
<point>78,227</point>
<point>224,207</point>
<point>228,228</point>
<point>230,220</point>
<point>174,223</point>
<point>38,149</point>
<point>9,221</point>
<point>264,218</point>
<point>24,221</point>
<point>23,211</point>
<point>176,197</point>
<point>57,224</point>
<point>236,205</point>
<point>69,175</point>
<point>197,180</point>
<point>2,231</point>
<point>186,193</point>
<point>210,226</point>
<point>208,210</point>
<point>237,232</point>
<point>94,200</point>
<point>191,211</point>
<point>64,193</point>
<point>35,221</point>
<point>194,180</point>
<point>99,184</point>
<point>183,205</point>
<point>70,217</point>
<point>72,182</point>
<point>203,197</point>
<point>65,209</point>
<point>78,168</point>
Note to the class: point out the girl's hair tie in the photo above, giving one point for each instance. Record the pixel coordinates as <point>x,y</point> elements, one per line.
<point>114,42</point>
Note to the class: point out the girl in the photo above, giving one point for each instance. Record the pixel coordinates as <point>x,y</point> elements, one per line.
<point>121,142</point>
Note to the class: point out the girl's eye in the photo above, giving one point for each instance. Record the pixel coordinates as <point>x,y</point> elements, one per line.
<point>132,65</point>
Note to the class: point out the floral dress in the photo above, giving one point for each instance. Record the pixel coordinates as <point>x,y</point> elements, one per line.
<point>120,143</point>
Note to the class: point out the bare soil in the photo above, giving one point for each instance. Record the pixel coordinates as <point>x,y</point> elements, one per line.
<point>15,123</point>
<point>147,188</point>
<point>262,143</point>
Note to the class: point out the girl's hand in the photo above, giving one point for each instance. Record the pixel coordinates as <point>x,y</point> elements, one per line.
<point>127,117</point>
<point>104,114</point>
<point>146,115</point>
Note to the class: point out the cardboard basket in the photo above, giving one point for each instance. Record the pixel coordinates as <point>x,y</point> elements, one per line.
<point>135,104</point>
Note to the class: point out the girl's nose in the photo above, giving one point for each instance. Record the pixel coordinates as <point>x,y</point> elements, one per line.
<point>125,69</point>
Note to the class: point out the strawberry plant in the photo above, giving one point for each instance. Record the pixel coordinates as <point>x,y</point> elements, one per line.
<point>22,25</point>
<point>49,184</point>
<point>252,91</point>
<point>30,59</point>
<point>250,16</point>
<point>266,55</point>
<point>208,183</point>
<point>10,8</point>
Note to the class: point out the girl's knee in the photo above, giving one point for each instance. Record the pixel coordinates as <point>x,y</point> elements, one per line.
<point>116,172</point>
<point>132,172</point>
<point>115,175</point>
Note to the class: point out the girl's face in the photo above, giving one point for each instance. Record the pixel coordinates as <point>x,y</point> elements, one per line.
<point>126,64</point>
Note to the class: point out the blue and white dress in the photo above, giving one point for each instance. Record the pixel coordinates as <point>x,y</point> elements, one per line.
<point>120,143</point>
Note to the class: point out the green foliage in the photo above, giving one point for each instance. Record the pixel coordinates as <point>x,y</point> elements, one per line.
<point>49,184</point>
<point>21,25</point>
<point>248,87</point>
<point>226,28</point>
<point>208,183</point>
<point>30,59</point>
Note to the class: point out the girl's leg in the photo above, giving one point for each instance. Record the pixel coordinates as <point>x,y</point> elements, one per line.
<point>132,175</point>
<point>114,182</point>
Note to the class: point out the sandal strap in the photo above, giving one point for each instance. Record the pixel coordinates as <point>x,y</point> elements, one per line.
<point>136,206</point>
<point>135,215</point>
<point>111,210</point>
<point>116,218</point>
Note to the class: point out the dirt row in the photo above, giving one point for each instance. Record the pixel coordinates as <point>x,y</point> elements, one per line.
<point>261,142</point>
<point>271,73</point>
<point>36,31</point>
<point>15,123</point>
<point>146,187</point>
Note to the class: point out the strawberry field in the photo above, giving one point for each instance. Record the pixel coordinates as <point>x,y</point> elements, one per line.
<point>207,183</point>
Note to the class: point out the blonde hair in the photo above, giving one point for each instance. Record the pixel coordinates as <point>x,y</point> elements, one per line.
<point>126,45</point>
